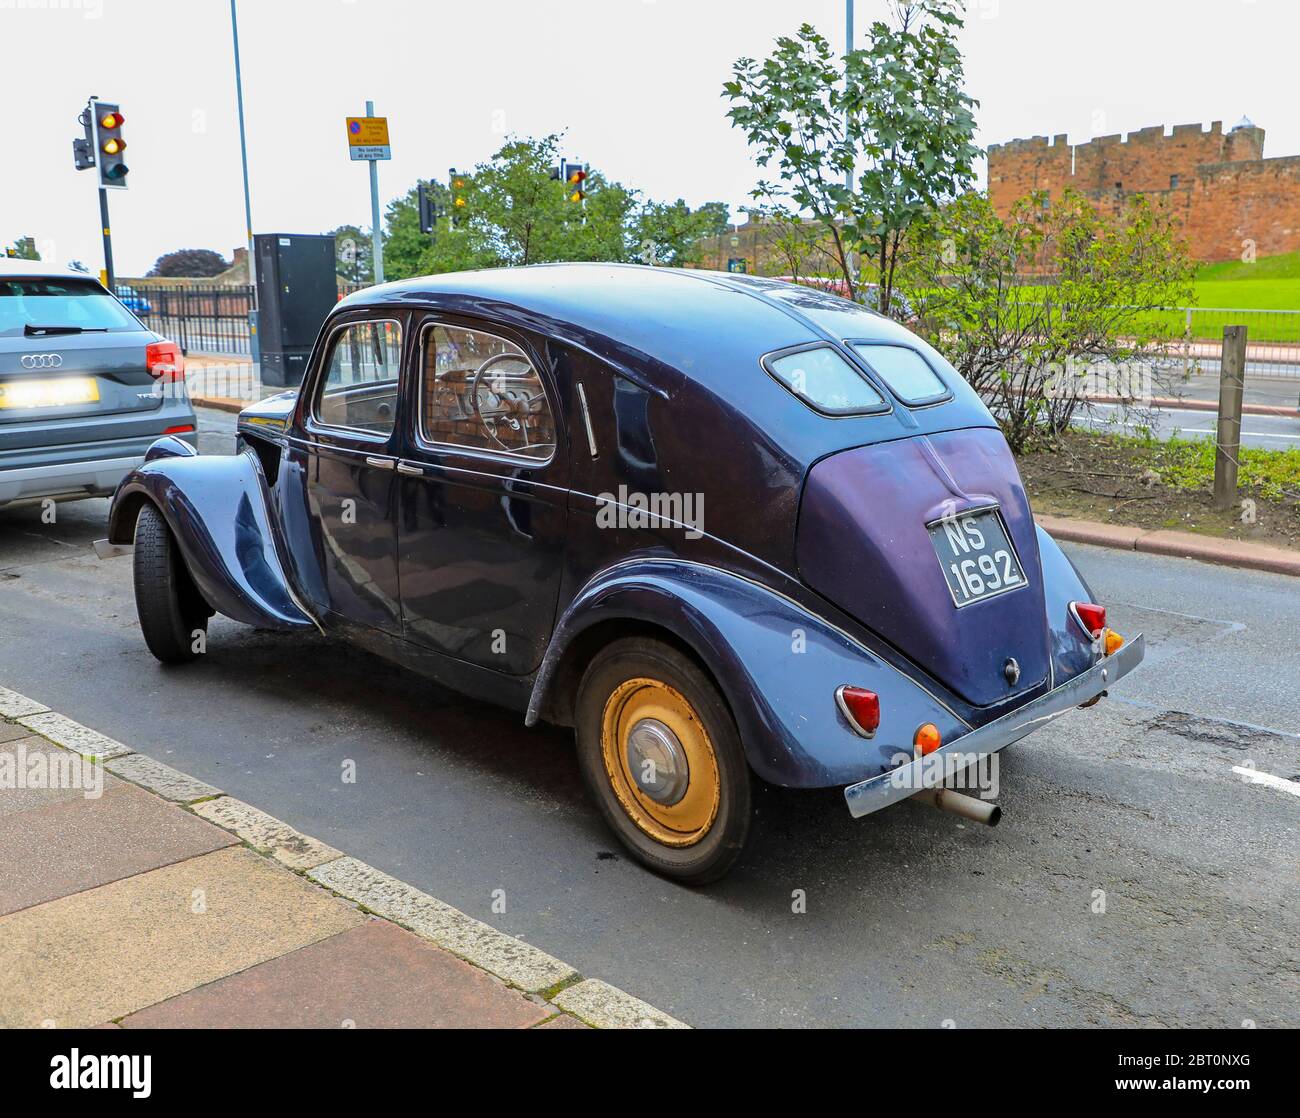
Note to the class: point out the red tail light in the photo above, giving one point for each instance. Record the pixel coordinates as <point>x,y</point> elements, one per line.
<point>184,428</point>
<point>861,707</point>
<point>164,361</point>
<point>1091,617</point>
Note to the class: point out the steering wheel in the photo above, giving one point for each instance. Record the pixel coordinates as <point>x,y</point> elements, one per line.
<point>509,405</point>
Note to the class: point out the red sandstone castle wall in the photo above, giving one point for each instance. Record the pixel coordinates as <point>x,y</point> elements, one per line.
<point>1218,184</point>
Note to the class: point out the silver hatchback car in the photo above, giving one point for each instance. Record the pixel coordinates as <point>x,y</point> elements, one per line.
<point>85,387</point>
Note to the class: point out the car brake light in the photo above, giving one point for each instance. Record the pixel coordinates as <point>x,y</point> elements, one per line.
<point>164,361</point>
<point>1091,617</point>
<point>927,739</point>
<point>861,707</point>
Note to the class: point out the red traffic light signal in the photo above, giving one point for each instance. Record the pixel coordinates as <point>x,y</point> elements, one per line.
<point>111,121</point>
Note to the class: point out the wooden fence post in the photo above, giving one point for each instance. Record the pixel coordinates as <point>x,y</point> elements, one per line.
<point>1232,383</point>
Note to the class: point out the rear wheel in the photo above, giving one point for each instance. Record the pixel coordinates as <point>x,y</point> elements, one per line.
<point>660,753</point>
<point>173,615</point>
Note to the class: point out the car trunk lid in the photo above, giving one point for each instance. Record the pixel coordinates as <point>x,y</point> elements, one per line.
<point>889,533</point>
<point>59,376</point>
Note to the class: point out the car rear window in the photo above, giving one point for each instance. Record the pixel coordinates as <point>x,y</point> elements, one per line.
<point>907,373</point>
<point>59,303</point>
<point>824,381</point>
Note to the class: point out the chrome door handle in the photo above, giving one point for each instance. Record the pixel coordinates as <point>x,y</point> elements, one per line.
<point>409,470</point>
<point>379,463</point>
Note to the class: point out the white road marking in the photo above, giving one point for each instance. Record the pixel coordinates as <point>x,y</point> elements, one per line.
<point>1253,776</point>
<point>1187,430</point>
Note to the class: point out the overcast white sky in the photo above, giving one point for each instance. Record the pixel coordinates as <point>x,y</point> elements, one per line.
<point>635,83</point>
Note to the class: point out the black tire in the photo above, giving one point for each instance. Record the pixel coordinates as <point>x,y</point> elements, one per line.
<point>690,860</point>
<point>170,608</point>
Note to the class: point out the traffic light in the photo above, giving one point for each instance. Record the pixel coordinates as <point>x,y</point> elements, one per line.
<point>575,174</point>
<point>459,184</point>
<point>426,209</point>
<point>107,122</point>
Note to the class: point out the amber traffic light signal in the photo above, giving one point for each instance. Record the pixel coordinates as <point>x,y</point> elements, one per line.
<point>458,185</point>
<point>575,176</point>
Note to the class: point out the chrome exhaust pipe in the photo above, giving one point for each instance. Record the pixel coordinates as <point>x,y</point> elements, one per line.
<point>968,807</point>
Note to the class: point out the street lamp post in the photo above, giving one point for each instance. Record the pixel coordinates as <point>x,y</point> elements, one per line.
<point>248,205</point>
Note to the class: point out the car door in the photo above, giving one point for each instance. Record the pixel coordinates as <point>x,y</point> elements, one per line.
<point>349,470</point>
<point>483,496</point>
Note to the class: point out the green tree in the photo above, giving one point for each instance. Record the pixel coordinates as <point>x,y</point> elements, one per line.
<point>24,248</point>
<point>671,233</point>
<point>1035,308</point>
<point>893,112</point>
<point>200,263</point>
<point>353,255</point>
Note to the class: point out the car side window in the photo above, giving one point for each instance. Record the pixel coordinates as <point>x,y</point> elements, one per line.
<point>480,391</point>
<point>359,388</point>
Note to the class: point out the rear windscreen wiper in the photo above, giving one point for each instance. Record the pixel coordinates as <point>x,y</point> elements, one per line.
<point>30,330</point>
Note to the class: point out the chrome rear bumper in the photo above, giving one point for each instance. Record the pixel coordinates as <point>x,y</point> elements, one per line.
<point>880,791</point>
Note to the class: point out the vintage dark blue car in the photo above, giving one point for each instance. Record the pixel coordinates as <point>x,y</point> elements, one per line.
<point>724,527</point>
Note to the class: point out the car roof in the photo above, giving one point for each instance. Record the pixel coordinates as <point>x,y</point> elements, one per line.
<point>699,323</point>
<point>11,268</point>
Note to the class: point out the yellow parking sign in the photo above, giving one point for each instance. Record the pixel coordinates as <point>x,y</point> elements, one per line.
<point>368,137</point>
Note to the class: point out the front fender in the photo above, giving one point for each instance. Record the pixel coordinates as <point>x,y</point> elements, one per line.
<point>216,507</point>
<point>778,666</point>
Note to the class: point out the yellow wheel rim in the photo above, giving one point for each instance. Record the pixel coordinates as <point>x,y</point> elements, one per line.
<point>660,762</point>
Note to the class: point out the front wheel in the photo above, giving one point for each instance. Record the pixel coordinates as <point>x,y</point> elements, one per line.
<point>661,755</point>
<point>173,615</point>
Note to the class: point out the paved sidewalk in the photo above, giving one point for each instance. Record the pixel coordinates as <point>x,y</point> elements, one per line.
<point>226,383</point>
<point>135,896</point>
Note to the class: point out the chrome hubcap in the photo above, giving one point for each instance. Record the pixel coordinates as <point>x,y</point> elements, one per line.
<point>657,761</point>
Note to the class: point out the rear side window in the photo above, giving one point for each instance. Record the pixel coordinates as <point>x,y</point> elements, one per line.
<point>907,373</point>
<point>481,392</point>
<point>824,381</point>
<point>60,304</point>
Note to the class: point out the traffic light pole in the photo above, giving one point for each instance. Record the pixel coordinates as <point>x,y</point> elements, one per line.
<point>108,238</point>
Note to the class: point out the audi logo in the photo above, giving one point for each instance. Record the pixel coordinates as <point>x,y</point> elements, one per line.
<point>41,360</point>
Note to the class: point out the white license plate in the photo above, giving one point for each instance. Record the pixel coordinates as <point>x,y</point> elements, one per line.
<point>52,393</point>
<point>977,558</point>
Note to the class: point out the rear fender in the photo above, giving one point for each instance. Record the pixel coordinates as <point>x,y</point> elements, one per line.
<point>216,507</point>
<point>1072,652</point>
<point>777,665</point>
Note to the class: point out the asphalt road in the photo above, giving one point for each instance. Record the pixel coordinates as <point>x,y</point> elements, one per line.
<point>912,918</point>
<point>1270,432</point>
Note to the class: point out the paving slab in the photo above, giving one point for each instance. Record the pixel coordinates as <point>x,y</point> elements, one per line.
<point>73,735</point>
<point>74,844</point>
<point>163,780</point>
<point>564,1021</point>
<point>11,731</point>
<point>608,1007</point>
<point>517,962</point>
<point>108,952</point>
<point>376,976</point>
<point>265,832</point>
<point>14,705</point>
<point>34,773</point>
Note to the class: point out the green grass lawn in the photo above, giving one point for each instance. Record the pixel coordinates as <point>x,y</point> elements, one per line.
<point>1272,283</point>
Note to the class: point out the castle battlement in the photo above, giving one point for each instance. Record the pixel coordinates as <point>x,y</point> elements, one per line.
<point>1218,182</point>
